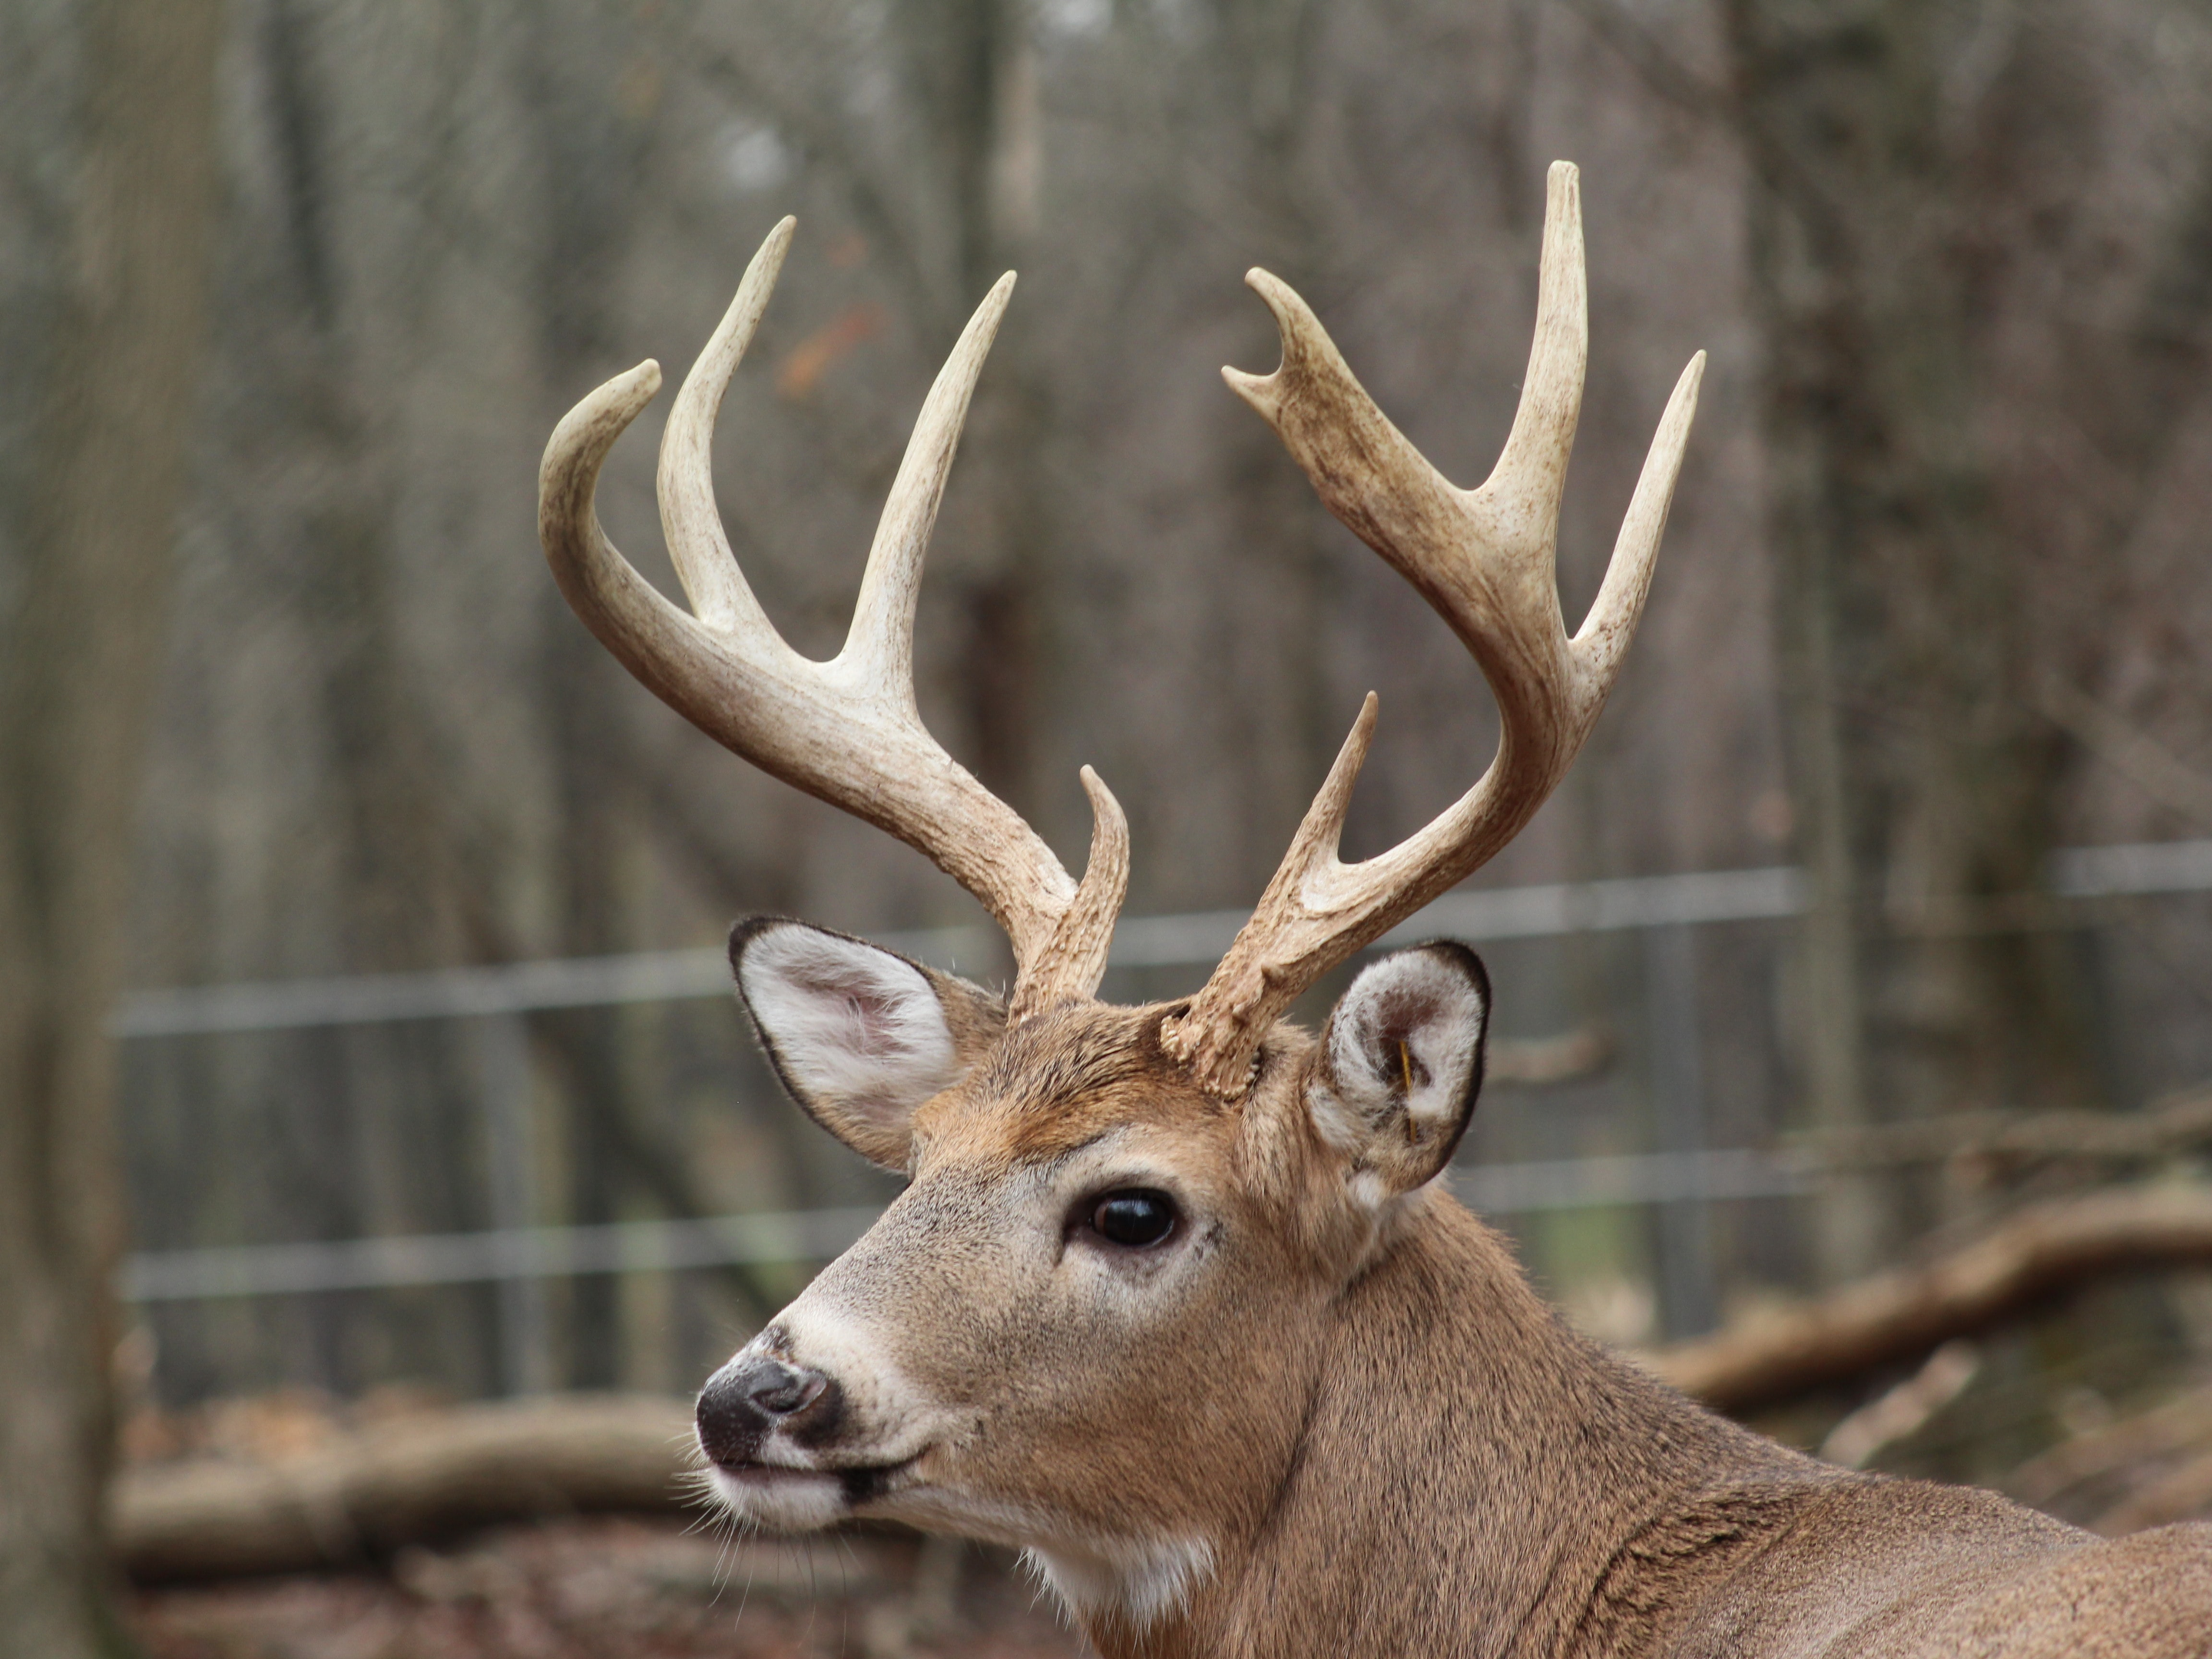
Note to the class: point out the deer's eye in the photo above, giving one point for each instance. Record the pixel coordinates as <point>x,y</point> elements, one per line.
<point>1134,1218</point>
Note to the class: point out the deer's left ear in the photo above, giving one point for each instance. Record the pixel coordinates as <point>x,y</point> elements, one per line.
<point>1401,1065</point>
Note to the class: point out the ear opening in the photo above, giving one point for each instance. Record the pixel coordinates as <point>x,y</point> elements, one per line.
<point>859,1034</point>
<point>1401,1064</point>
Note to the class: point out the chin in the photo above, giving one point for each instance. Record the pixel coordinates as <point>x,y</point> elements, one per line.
<point>780,1500</point>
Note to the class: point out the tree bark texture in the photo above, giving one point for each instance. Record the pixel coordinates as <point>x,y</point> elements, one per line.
<point>970,68</point>
<point>1924,779</point>
<point>592,149</point>
<point>80,656</point>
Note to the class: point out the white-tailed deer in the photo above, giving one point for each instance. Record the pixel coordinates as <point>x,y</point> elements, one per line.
<point>1174,1299</point>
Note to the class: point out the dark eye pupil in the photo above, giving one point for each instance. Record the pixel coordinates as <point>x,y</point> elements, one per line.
<point>1135,1218</point>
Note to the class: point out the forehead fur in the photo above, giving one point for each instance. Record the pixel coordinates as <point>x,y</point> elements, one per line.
<point>1062,1078</point>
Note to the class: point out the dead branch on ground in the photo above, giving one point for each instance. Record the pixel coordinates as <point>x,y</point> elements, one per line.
<point>409,1480</point>
<point>1908,1312</point>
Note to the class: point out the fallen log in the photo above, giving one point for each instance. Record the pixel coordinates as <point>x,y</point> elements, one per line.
<point>1907,1312</point>
<point>410,1480</point>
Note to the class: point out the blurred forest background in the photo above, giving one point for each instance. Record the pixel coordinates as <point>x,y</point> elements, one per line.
<point>1931,607</point>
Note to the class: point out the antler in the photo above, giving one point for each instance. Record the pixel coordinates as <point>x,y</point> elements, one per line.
<point>1485,560</point>
<point>846,730</point>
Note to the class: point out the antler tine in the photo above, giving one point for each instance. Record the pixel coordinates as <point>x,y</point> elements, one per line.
<point>1531,474</point>
<point>698,544</point>
<point>1073,960</point>
<point>1602,642</point>
<point>848,730</point>
<point>880,644</point>
<point>1485,560</point>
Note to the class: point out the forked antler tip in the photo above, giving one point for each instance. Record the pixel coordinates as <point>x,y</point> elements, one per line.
<point>1304,343</point>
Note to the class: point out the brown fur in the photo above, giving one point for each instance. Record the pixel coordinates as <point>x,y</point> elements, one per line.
<point>1389,1443</point>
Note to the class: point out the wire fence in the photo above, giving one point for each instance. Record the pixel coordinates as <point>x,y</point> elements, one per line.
<point>1682,1175</point>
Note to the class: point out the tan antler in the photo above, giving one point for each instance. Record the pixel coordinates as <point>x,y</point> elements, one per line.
<point>846,730</point>
<point>1485,560</point>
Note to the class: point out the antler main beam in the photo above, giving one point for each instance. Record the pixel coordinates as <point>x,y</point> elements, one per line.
<point>846,730</point>
<point>1486,559</point>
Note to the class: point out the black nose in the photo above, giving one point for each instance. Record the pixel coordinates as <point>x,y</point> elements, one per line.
<point>747,1401</point>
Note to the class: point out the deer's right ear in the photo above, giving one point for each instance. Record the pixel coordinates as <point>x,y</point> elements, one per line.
<point>859,1035</point>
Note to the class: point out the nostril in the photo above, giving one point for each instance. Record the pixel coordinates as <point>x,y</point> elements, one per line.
<point>731,1427</point>
<point>781,1391</point>
<point>747,1401</point>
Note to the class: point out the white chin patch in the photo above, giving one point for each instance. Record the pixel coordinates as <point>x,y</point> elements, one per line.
<point>784,1501</point>
<point>1141,1583</point>
<point>850,1023</point>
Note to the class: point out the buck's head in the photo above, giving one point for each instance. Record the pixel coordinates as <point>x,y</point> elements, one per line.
<point>1083,1326</point>
<point>1097,1277</point>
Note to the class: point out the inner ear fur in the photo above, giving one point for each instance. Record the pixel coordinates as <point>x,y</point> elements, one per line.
<point>859,1035</point>
<point>1401,1065</point>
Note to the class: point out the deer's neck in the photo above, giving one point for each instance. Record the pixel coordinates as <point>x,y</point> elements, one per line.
<point>1475,1479</point>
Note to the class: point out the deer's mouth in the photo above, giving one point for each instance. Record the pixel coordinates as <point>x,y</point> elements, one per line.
<point>757,1486</point>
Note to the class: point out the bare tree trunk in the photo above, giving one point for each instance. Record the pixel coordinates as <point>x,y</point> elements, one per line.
<point>970,67</point>
<point>592,151</point>
<point>403,889</point>
<point>83,655</point>
<point>1925,782</point>
<point>1266,60</point>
